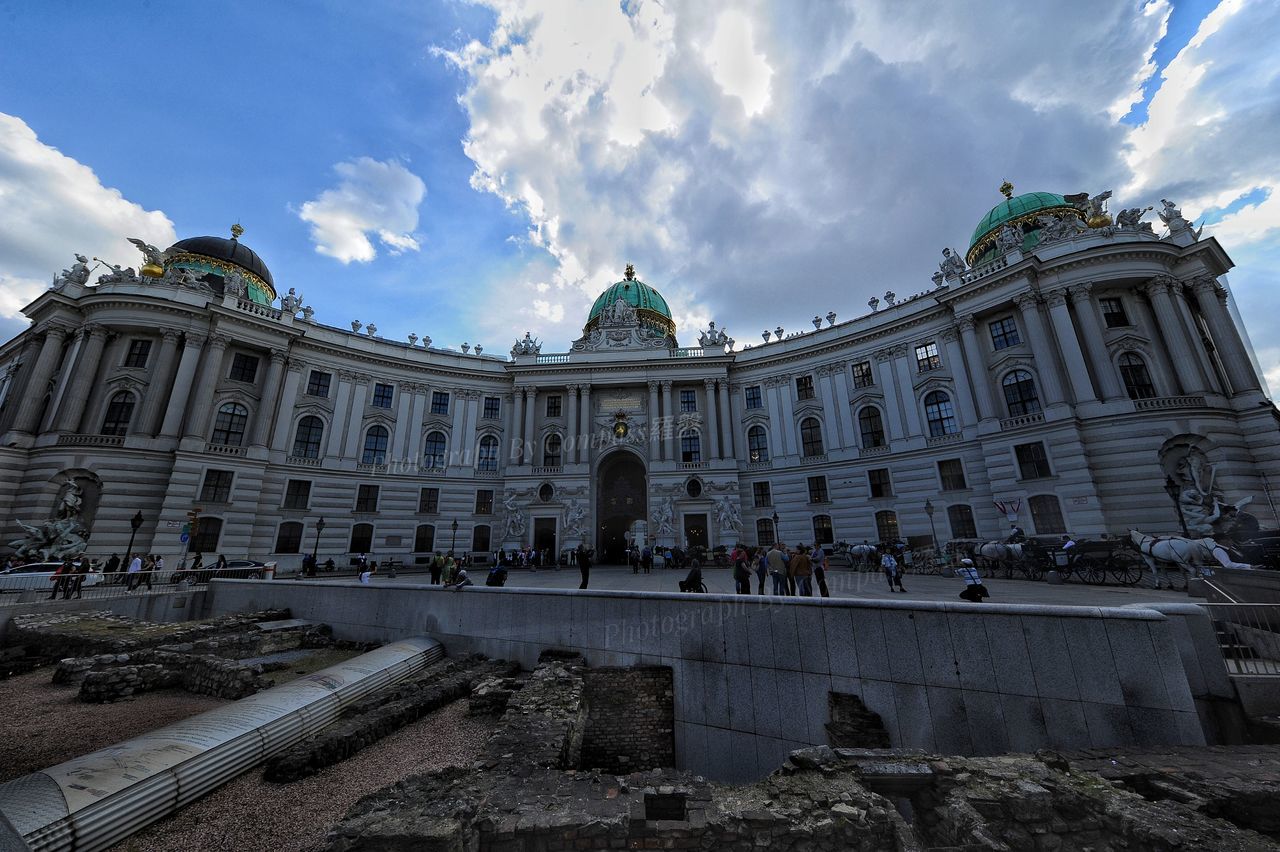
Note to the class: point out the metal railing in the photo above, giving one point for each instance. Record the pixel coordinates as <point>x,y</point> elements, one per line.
<point>1248,636</point>
<point>34,588</point>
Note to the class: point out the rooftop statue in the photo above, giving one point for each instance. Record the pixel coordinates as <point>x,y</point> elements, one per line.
<point>1171,215</point>
<point>713,336</point>
<point>1008,239</point>
<point>233,284</point>
<point>117,275</point>
<point>154,259</point>
<point>1053,228</point>
<point>1131,219</point>
<point>77,274</point>
<point>529,346</point>
<point>291,302</point>
<point>952,264</point>
<point>1092,208</point>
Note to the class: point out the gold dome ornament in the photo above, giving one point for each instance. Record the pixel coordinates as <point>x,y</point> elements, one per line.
<point>236,231</point>
<point>1006,189</point>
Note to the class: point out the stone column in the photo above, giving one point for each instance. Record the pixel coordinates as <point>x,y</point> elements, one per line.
<point>912,411</point>
<point>840,382</point>
<point>977,368</point>
<point>517,428</point>
<point>1212,300</point>
<point>335,437</point>
<point>1038,337</point>
<point>1065,332</point>
<point>790,428</point>
<point>1210,376</point>
<point>713,425</point>
<point>584,416</point>
<point>399,449</point>
<point>268,400</point>
<point>573,429</point>
<point>352,446</point>
<point>964,393</point>
<point>1091,326</point>
<point>668,423</point>
<point>163,371</point>
<point>655,420</point>
<point>288,399</point>
<point>210,369</point>
<point>780,433</point>
<point>183,380</point>
<point>33,396</point>
<point>94,338</point>
<point>726,421</point>
<point>532,451</point>
<point>1185,364</point>
<point>892,394</point>
<point>835,433</point>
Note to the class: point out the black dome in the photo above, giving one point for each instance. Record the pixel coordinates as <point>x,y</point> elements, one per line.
<point>232,251</point>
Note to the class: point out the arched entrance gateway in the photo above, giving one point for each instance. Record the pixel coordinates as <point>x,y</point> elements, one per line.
<point>621,500</point>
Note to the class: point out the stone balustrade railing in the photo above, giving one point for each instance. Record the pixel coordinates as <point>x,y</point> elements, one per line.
<point>548,470</point>
<point>223,449</point>
<point>817,458</point>
<point>91,440</point>
<point>250,307</point>
<point>864,452</point>
<point>554,358</point>
<point>371,467</point>
<point>1162,402</point>
<point>687,352</point>
<point>698,465</point>
<point>1021,421</point>
<point>942,440</point>
<point>766,464</point>
<point>303,461</point>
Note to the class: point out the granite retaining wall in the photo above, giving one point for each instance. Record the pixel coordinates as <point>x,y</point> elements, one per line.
<point>752,675</point>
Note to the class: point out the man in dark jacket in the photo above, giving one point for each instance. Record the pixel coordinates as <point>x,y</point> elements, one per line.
<point>584,565</point>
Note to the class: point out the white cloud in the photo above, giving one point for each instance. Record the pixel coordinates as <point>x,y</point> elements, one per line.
<point>372,198</point>
<point>51,207</point>
<point>736,66</point>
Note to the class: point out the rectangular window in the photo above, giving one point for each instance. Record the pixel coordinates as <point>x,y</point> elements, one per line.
<point>429,501</point>
<point>804,387</point>
<point>1046,514</point>
<point>1004,333</point>
<point>927,357</point>
<point>690,447</point>
<point>382,395</point>
<point>424,539</point>
<point>492,408</point>
<point>754,400</point>
<point>760,491</point>
<point>688,400</point>
<point>951,472</point>
<point>297,494</point>
<point>318,384</point>
<point>554,405</point>
<point>1113,313</point>
<point>139,351</point>
<point>367,498</point>
<point>862,375</point>
<point>289,538</point>
<point>217,487</point>
<point>1033,462</point>
<point>879,482</point>
<point>244,368</point>
<point>439,402</point>
<point>484,502</point>
<point>817,489</point>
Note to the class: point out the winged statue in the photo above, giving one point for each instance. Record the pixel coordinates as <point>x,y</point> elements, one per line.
<point>151,254</point>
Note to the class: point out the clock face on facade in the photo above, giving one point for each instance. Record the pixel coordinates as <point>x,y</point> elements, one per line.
<point>620,429</point>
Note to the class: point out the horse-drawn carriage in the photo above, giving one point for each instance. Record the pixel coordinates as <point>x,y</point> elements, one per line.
<point>1090,561</point>
<point>1093,560</point>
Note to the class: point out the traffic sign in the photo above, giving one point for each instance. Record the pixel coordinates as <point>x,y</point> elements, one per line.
<point>184,538</point>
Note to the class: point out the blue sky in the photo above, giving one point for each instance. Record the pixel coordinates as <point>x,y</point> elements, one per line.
<point>472,170</point>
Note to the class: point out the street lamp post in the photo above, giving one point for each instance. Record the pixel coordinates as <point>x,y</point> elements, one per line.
<point>928,510</point>
<point>134,523</point>
<point>1171,488</point>
<point>316,548</point>
<point>453,546</point>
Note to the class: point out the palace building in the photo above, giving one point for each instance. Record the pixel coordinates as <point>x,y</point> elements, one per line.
<point>1067,365</point>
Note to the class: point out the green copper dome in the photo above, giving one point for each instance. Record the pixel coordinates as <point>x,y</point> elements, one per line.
<point>650,307</point>
<point>1021,212</point>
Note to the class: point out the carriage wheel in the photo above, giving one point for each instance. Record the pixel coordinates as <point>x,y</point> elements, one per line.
<point>1034,570</point>
<point>1126,568</point>
<point>1090,570</point>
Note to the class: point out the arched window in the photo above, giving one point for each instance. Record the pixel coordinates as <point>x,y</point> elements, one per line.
<point>764,532</point>
<point>375,445</point>
<point>361,538</point>
<point>961,519</point>
<point>119,413</point>
<point>887,525</point>
<point>433,450</point>
<point>810,437</point>
<point>207,532</point>
<point>871,427</point>
<point>1046,514</point>
<point>940,414</point>
<point>289,537</point>
<point>228,428</point>
<point>306,441</point>
<point>424,538</point>
<point>551,456</point>
<point>757,444</point>
<point>480,539</point>
<point>690,446</point>
<point>823,533</point>
<point>1020,393</point>
<point>488,457</point>
<point>1137,381</point>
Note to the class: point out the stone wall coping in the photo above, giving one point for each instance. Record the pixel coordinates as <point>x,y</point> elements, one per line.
<point>1130,612</point>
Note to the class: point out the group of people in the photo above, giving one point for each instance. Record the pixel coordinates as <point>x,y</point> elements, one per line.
<point>645,558</point>
<point>69,578</point>
<point>526,557</point>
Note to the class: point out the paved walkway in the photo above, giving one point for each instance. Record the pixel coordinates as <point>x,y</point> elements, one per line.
<point>842,583</point>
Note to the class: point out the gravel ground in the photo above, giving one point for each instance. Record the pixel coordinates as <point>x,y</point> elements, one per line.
<point>250,814</point>
<point>42,725</point>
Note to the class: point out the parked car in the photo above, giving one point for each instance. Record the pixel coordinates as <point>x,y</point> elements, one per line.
<point>236,569</point>
<point>36,575</point>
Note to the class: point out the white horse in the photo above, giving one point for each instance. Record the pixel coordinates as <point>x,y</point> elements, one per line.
<point>998,551</point>
<point>1192,556</point>
<point>862,553</point>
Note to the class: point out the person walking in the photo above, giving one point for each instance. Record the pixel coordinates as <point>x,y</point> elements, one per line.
<point>111,569</point>
<point>584,565</point>
<point>892,571</point>
<point>741,573</point>
<point>802,571</point>
<point>60,578</point>
<point>148,570</point>
<point>82,573</point>
<point>974,589</point>
<point>761,563</point>
<point>820,570</point>
<point>437,565</point>
<point>450,567</point>
<point>646,559</point>
<point>135,571</point>
<point>777,569</point>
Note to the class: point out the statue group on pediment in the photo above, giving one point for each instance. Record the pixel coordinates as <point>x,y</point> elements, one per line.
<point>714,337</point>
<point>529,346</point>
<point>78,274</point>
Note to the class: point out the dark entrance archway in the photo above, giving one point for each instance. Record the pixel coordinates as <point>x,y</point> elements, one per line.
<point>621,500</point>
